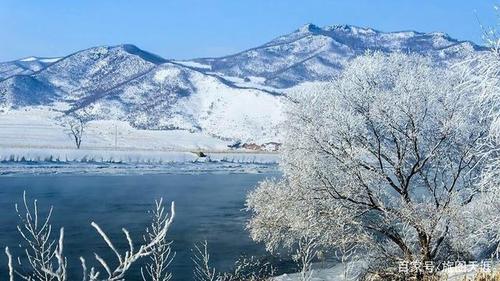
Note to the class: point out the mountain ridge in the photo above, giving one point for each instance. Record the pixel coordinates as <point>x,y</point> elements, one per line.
<point>324,43</point>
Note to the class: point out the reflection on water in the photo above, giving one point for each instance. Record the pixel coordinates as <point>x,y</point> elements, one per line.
<point>208,206</point>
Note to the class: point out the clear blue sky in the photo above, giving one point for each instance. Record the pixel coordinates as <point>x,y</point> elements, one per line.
<point>200,28</point>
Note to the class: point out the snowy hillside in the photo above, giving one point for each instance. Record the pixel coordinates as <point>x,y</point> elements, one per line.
<point>24,66</point>
<point>238,98</point>
<point>126,83</point>
<point>314,53</point>
<point>175,97</point>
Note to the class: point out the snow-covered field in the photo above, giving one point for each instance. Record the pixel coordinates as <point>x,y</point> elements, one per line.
<point>35,136</point>
<point>38,128</point>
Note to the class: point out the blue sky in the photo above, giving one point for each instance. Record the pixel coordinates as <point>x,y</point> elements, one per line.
<point>202,28</point>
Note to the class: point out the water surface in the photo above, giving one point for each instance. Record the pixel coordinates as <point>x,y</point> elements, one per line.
<point>208,206</point>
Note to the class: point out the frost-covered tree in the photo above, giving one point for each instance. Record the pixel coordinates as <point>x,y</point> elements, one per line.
<point>75,124</point>
<point>386,154</point>
<point>482,73</point>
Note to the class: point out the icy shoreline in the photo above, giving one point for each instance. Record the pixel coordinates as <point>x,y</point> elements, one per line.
<point>70,161</point>
<point>26,169</point>
<point>130,156</point>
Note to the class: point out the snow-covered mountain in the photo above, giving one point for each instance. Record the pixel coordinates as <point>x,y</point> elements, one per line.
<point>314,53</point>
<point>126,83</point>
<point>238,97</point>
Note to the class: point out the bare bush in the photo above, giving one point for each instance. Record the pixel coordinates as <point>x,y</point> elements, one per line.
<point>249,269</point>
<point>45,255</point>
<point>157,267</point>
<point>201,258</point>
<point>245,268</point>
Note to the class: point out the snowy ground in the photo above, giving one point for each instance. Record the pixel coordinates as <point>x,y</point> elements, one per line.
<point>332,274</point>
<point>38,128</point>
<point>336,273</point>
<point>33,140</point>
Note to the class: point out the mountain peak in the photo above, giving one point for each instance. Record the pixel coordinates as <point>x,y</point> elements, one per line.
<point>351,29</point>
<point>309,28</point>
<point>243,90</point>
<point>100,52</point>
<point>338,28</point>
<point>134,50</point>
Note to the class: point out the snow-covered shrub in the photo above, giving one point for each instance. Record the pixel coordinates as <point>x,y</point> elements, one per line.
<point>484,276</point>
<point>386,155</point>
<point>203,271</point>
<point>248,269</point>
<point>245,268</point>
<point>304,255</point>
<point>46,260</point>
<point>156,269</point>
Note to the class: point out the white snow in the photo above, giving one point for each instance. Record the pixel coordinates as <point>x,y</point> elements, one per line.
<point>254,82</point>
<point>333,273</point>
<point>49,60</point>
<point>194,64</point>
<point>38,128</point>
<point>163,74</point>
<point>35,135</point>
<point>45,60</point>
<point>249,115</point>
<point>29,59</point>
